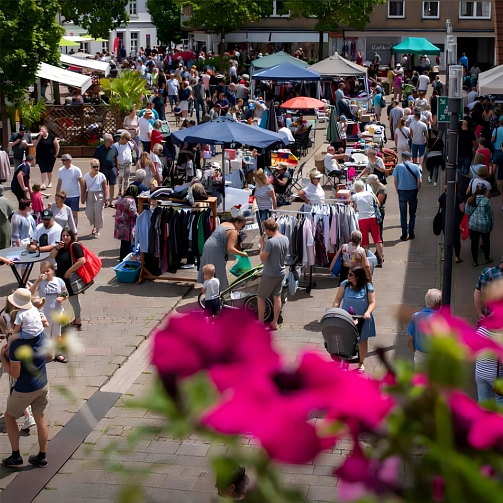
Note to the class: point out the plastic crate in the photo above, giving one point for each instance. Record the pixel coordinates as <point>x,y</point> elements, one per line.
<point>127,275</point>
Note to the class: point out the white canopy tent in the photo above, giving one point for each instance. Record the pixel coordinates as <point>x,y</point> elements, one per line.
<point>491,82</point>
<point>72,79</point>
<point>75,38</point>
<point>99,66</point>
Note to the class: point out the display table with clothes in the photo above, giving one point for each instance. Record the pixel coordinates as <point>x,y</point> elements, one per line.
<point>169,232</point>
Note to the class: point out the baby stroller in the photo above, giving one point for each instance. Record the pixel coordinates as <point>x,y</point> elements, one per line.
<point>341,335</point>
<point>242,294</point>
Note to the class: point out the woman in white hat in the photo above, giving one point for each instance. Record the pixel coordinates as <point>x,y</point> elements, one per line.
<point>313,193</point>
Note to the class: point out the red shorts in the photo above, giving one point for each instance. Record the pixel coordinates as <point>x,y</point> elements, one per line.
<point>369,225</point>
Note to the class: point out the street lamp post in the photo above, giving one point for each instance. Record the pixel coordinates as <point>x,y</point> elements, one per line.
<point>454,107</point>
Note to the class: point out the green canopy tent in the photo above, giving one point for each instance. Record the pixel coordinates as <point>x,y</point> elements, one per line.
<point>67,43</point>
<point>275,59</point>
<point>413,45</point>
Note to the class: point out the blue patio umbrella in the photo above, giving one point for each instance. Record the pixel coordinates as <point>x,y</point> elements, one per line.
<point>224,131</point>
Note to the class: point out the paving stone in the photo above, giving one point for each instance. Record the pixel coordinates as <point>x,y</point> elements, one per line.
<point>188,449</point>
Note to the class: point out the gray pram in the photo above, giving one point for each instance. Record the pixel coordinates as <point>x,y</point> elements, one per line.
<point>340,334</point>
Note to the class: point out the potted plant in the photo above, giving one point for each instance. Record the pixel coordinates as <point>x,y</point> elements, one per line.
<point>125,91</point>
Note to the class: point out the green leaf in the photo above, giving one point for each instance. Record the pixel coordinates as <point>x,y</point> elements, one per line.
<point>445,362</point>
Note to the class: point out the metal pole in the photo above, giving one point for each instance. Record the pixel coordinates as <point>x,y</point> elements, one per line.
<point>454,106</point>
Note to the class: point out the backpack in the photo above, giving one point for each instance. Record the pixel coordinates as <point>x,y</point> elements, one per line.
<point>91,268</point>
<point>383,101</point>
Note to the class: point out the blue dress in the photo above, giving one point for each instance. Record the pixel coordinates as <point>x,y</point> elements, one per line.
<point>357,299</point>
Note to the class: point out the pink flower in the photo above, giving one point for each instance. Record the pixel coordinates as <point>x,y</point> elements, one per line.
<point>484,428</point>
<point>495,320</point>
<point>360,475</point>
<point>257,407</point>
<point>276,408</point>
<point>227,346</point>
<point>445,321</point>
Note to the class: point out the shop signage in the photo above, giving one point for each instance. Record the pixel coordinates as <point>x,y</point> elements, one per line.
<point>443,109</point>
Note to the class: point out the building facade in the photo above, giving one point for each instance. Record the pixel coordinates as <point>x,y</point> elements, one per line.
<point>472,29</point>
<point>140,32</point>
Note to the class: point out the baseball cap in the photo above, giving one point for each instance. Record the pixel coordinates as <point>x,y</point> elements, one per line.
<point>343,118</point>
<point>66,157</point>
<point>22,127</point>
<point>47,214</point>
<point>315,174</point>
<point>406,154</point>
<point>501,118</point>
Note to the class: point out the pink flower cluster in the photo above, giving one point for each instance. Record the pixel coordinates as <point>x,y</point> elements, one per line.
<point>259,396</point>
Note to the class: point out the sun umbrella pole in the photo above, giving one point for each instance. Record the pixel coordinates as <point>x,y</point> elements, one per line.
<point>223,176</point>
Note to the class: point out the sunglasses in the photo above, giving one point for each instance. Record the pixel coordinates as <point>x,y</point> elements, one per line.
<point>350,274</point>
<point>95,167</point>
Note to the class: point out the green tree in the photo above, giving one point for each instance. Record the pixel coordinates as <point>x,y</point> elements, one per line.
<point>224,16</point>
<point>165,16</point>
<point>332,14</point>
<point>125,91</point>
<point>97,17</point>
<point>29,35</point>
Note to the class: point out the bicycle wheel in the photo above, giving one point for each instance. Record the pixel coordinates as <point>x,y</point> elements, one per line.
<point>200,300</point>
<point>252,306</point>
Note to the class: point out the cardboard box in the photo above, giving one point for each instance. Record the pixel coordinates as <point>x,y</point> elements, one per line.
<point>344,194</point>
<point>366,118</point>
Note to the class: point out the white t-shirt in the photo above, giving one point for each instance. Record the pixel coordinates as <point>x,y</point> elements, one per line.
<point>173,86</point>
<point>287,135</point>
<point>364,204</point>
<point>418,129</point>
<point>212,288</point>
<point>329,163</point>
<point>51,290</point>
<point>476,181</point>
<point>157,163</point>
<point>423,82</point>
<point>145,128</point>
<point>64,217</point>
<point>402,137</point>
<point>315,194</point>
<point>94,184</point>
<point>70,180</point>
<point>53,234</point>
<point>124,153</point>
<point>30,322</point>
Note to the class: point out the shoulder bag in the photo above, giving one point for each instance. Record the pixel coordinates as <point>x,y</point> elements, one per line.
<point>410,171</point>
<point>88,271</point>
<point>377,209</point>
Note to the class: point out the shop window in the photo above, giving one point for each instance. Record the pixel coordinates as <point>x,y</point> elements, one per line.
<point>396,9</point>
<point>133,9</point>
<point>431,10</point>
<point>475,10</point>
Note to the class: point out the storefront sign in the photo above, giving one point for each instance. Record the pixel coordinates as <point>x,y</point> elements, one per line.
<point>381,45</point>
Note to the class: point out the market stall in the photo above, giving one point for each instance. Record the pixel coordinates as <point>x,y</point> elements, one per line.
<point>226,132</point>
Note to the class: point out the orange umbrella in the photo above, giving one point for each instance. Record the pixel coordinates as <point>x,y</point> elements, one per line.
<point>303,102</point>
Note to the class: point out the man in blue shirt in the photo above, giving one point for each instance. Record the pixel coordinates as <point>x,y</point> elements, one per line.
<point>31,388</point>
<point>463,60</point>
<point>407,179</point>
<point>418,339</point>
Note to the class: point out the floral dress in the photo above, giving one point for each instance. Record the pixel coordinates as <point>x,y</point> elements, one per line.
<point>125,218</point>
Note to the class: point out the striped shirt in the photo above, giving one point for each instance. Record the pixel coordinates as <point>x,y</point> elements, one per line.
<point>263,197</point>
<point>486,367</point>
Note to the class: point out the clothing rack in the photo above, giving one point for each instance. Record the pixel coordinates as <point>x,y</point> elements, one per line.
<point>211,202</point>
<point>310,284</point>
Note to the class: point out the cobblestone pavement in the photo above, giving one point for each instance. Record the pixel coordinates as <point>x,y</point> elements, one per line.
<point>119,317</point>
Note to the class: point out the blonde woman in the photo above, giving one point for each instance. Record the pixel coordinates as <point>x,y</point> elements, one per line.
<point>155,152</point>
<point>94,194</point>
<point>264,195</point>
<point>145,163</point>
<point>402,133</point>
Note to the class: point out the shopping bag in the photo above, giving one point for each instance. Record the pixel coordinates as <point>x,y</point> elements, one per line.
<point>337,266</point>
<point>463,227</point>
<point>91,268</point>
<point>241,266</point>
<point>437,223</point>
